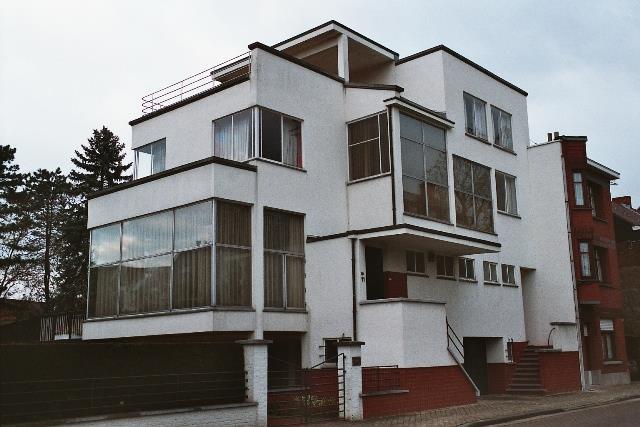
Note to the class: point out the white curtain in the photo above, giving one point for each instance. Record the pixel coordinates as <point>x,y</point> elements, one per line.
<point>144,285</point>
<point>222,142</point>
<point>233,254</point>
<point>242,135</point>
<point>292,154</point>
<point>505,131</point>
<point>193,226</point>
<point>479,118</point>
<point>512,204</point>
<point>147,236</point>
<point>158,156</point>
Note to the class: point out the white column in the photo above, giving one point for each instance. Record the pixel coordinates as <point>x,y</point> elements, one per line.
<point>350,367</point>
<point>343,57</point>
<point>255,365</point>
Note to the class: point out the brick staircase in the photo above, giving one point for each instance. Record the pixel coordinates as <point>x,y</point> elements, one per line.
<point>526,378</point>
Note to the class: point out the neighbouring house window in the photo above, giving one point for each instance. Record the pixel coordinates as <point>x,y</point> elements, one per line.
<point>475,116</point>
<point>280,138</point>
<point>415,262</point>
<point>508,274</point>
<point>600,263</point>
<point>585,259</point>
<point>506,193</point>
<point>466,269</point>
<point>424,169</point>
<point>472,183</point>
<point>150,158</point>
<point>444,266</point>
<point>369,147</point>
<point>501,128</point>
<point>608,339</point>
<point>233,136</point>
<point>578,189</point>
<point>283,259</point>
<point>233,254</point>
<point>595,198</point>
<point>490,272</point>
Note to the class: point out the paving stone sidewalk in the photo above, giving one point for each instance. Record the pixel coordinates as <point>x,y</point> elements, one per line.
<point>505,406</point>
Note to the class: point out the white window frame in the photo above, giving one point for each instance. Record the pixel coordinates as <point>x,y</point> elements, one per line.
<point>453,267</point>
<point>578,188</point>
<point>474,133</point>
<point>496,132</point>
<point>388,154</point>
<point>507,194</point>
<point>136,161</point>
<point>415,255</point>
<point>464,275</point>
<point>259,142</point>
<point>493,272</point>
<point>510,277</point>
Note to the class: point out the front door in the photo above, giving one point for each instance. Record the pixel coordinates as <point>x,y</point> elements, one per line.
<point>375,274</point>
<point>475,361</point>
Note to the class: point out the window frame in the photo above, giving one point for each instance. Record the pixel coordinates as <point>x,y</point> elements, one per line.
<point>493,270</point>
<point>497,134</point>
<point>252,145</point>
<point>415,255</point>
<point>445,259</point>
<point>380,151</point>
<point>136,160</point>
<point>464,275</point>
<point>474,195</point>
<point>608,337</point>
<point>505,177</point>
<point>472,131</point>
<point>585,255</point>
<point>578,185</point>
<point>594,193</point>
<point>260,110</point>
<point>600,263</point>
<point>508,272</point>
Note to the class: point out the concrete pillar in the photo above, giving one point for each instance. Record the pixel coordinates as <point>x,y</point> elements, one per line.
<point>343,57</point>
<point>255,365</point>
<point>351,366</point>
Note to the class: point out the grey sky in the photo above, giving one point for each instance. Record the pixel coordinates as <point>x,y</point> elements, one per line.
<point>67,67</point>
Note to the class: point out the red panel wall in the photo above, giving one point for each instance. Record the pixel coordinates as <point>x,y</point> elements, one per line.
<point>395,284</point>
<point>560,371</point>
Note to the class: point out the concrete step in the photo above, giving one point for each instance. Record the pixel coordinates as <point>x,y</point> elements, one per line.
<point>535,391</point>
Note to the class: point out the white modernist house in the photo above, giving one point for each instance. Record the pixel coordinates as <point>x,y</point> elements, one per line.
<point>324,190</point>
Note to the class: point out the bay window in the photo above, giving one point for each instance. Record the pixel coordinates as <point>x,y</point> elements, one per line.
<point>150,159</point>
<point>501,128</point>
<point>233,254</point>
<point>472,184</point>
<point>475,116</point>
<point>585,259</point>
<point>595,199</point>
<point>506,193</point>
<point>280,138</point>
<point>424,169</point>
<point>607,333</point>
<point>283,259</point>
<point>600,263</point>
<point>368,147</point>
<point>578,189</point>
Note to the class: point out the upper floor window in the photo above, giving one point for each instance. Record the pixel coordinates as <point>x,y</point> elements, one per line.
<point>475,116</point>
<point>600,263</point>
<point>474,206</point>
<point>501,128</point>
<point>233,254</point>
<point>444,266</point>
<point>585,259</point>
<point>233,136</point>
<point>466,269</point>
<point>595,199</point>
<point>415,262</point>
<point>368,147</point>
<point>506,193</point>
<point>283,259</point>
<point>578,192</point>
<point>508,274</point>
<point>150,158</point>
<point>280,138</point>
<point>424,169</point>
<point>490,272</point>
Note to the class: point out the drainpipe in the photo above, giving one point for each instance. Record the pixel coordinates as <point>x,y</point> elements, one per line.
<point>354,285</point>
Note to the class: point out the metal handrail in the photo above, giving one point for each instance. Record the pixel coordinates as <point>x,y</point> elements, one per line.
<point>455,341</point>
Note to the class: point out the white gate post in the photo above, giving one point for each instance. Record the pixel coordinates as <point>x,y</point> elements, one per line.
<point>255,365</point>
<point>350,365</point>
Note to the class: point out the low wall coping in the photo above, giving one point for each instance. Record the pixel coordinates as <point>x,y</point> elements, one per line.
<point>409,300</point>
<point>254,342</point>
<point>384,393</point>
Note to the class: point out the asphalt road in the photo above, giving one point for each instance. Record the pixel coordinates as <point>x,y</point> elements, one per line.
<point>621,414</point>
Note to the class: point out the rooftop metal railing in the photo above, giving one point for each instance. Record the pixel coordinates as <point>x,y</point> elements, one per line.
<point>223,73</point>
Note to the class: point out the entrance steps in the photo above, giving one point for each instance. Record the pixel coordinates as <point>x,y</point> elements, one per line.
<point>526,378</point>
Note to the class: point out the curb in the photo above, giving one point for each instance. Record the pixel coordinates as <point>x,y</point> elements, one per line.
<point>533,414</point>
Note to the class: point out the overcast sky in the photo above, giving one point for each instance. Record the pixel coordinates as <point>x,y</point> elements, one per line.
<point>67,67</point>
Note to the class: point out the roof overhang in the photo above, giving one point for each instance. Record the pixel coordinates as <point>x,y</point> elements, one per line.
<point>610,173</point>
<point>435,117</point>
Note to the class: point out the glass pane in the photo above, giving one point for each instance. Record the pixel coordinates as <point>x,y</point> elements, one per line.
<point>462,175</point>
<point>159,154</point>
<point>192,278</point>
<point>233,224</point>
<point>487,271</point>
<point>295,282</point>
<point>479,119</point>
<point>233,276</point>
<point>384,143</point>
<point>105,244</point>
<point>292,142</point>
<point>434,137</point>
<point>412,159</point>
<point>495,118</point>
<point>410,128</point>
<point>143,161</point>
<point>471,274</point>
<point>436,166</point>
<point>222,142</point>
<point>420,267</point>
<point>484,215</point>
<point>413,193</point>
<point>438,202</point>
<point>512,202</point>
<point>500,192</point>
<point>283,231</point>
<point>144,285</point>
<point>148,235</point>
<point>364,159</point>
<point>411,260</point>
<point>468,113</point>
<point>273,279</point>
<point>242,135</point>
<point>505,274</point>
<point>448,262</point>
<point>464,209</point>
<point>103,291</point>
<point>363,130</point>
<point>271,135</point>
<point>482,181</point>
<point>194,226</point>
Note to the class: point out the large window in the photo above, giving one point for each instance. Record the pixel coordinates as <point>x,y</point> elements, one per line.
<point>283,259</point>
<point>506,193</point>
<point>501,128</point>
<point>424,169</point>
<point>281,138</point>
<point>150,158</point>
<point>163,261</point>
<point>475,116</point>
<point>608,339</point>
<point>474,206</point>
<point>233,136</point>
<point>368,147</point>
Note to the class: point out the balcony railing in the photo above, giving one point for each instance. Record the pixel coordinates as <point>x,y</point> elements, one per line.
<point>61,326</point>
<point>225,72</point>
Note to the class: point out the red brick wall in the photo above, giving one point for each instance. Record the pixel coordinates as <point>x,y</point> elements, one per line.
<point>499,376</point>
<point>428,388</point>
<point>560,371</point>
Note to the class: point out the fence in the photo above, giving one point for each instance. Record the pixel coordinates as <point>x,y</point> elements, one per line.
<point>63,326</point>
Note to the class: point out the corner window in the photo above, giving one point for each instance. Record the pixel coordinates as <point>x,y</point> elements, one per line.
<point>501,128</point>
<point>595,199</point>
<point>368,147</point>
<point>466,269</point>
<point>490,272</point>
<point>415,262</point>
<point>608,339</point>
<point>474,206</point>
<point>283,259</point>
<point>444,266</point>
<point>150,159</point>
<point>233,136</point>
<point>508,274</point>
<point>506,193</point>
<point>424,169</point>
<point>280,138</point>
<point>578,192</point>
<point>475,116</point>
